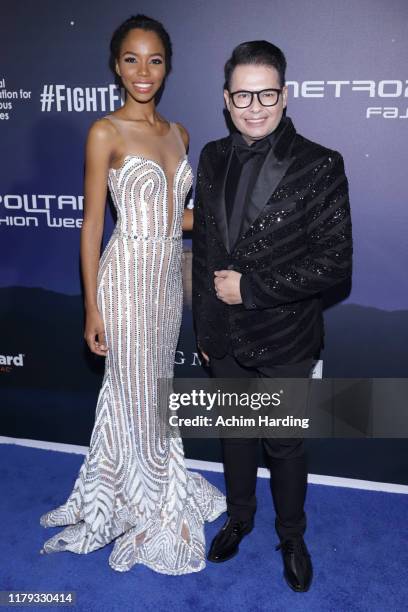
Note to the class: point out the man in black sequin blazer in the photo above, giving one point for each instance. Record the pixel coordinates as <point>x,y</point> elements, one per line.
<point>272,231</point>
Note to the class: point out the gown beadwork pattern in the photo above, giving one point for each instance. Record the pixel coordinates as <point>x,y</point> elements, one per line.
<point>133,486</point>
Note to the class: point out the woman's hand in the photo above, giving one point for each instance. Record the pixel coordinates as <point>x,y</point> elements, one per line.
<point>95,333</point>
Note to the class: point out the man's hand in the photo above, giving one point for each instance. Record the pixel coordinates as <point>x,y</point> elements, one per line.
<point>226,283</point>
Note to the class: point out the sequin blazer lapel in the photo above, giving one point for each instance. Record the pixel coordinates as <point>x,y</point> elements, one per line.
<point>220,169</point>
<point>273,170</point>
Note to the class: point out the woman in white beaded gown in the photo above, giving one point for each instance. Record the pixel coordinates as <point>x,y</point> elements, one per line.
<point>133,486</point>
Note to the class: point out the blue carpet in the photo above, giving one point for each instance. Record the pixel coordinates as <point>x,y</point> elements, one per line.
<point>358,541</point>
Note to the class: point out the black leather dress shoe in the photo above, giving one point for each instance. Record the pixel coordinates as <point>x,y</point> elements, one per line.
<point>225,545</point>
<point>298,570</point>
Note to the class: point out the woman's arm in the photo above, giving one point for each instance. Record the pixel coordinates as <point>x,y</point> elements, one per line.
<point>188,216</point>
<point>188,220</point>
<point>97,161</point>
<point>184,135</point>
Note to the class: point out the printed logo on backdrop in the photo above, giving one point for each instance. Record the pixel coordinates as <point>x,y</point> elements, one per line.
<point>41,210</point>
<point>66,99</point>
<point>62,98</point>
<point>184,358</point>
<point>44,210</point>
<point>9,98</point>
<point>9,362</point>
<point>380,94</point>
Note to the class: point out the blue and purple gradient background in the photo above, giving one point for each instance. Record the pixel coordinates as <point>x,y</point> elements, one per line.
<point>322,41</point>
<point>43,153</point>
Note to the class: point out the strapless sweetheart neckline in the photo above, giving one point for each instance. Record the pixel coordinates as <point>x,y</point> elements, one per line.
<point>142,158</point>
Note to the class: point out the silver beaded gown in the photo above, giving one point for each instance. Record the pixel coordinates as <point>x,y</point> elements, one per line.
<point>133,486</point>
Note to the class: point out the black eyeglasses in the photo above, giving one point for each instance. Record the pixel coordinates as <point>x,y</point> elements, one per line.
<point>266,97</point>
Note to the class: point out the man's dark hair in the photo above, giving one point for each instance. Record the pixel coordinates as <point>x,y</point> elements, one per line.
<point>143,23</point>
<point>259,52</point>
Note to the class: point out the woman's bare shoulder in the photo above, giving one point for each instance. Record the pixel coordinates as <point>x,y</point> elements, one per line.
<point>184,134</point>
<point>102,131</point>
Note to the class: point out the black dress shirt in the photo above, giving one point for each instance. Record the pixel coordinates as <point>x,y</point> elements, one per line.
<point>245,164</point>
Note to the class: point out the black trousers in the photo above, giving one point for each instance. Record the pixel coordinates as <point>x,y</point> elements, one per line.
<point>285,457</point>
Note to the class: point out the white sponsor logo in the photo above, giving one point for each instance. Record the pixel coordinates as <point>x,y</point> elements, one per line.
<point>6,361</point>
<point>387,88</point>
<point>8,98</point>
<point>387,112</point>
<point>23,210</point>
<point>181,359</point>
<point>335,89</point>
<point>35,210</point>
<point>61,98</point>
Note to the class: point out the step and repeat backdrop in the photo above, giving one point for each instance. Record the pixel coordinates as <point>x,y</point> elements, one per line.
<point>348,89</point>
